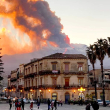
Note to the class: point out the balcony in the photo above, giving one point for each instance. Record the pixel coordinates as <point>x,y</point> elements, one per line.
<point>73,86</point>
<point>31,87</point>
<point>31,75</point>
<point>13,79</point>
<point>73,72</point>
<point>49,86</point>
<point>21,74</point>
<point>99,86</point>
<point>49,72</point>
<point>20,87</point>
<point>107,80</point>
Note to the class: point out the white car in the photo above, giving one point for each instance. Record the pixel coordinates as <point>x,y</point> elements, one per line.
<point>100,102</point>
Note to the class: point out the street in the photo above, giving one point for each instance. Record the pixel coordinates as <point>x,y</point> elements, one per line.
<point>44,107</point>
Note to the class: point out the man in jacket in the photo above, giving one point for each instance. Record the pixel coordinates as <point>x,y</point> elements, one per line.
<point>10,102</point>
<point>48,104</point>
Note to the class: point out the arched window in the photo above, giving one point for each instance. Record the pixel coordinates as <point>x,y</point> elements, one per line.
<point>54,96</point>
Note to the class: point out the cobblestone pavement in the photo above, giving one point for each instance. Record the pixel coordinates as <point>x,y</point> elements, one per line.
<point>44,107</point>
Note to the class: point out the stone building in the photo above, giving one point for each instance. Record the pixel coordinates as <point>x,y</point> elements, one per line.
<point>98,76</point>
<point>57,76</point>
<point>13,83</point>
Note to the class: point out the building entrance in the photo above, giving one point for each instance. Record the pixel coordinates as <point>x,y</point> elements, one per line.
<point>67,97</point>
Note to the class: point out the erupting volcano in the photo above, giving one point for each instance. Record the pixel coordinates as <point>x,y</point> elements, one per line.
<point>27,25</point>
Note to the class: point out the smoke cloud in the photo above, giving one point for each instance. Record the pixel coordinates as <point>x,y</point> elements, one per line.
<point>34,18</point>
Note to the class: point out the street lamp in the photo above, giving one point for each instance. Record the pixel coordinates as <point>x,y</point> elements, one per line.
<point>81,90</point>
<point>5,92</point>
<point>49,90</point>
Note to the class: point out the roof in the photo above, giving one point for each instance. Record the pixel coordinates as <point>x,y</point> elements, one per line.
<point>65,56</point>
<point>61,56</point>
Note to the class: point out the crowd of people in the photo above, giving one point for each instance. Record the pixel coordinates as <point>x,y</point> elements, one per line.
<point>19,103</point>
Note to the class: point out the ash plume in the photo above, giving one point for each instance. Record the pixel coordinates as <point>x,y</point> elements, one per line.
<point>34,18</point>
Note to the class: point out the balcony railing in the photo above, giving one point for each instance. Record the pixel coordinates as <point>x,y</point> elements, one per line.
<point>44,72</point>
<point>73,72</point>
<point>30,75</point>
<point>13,79</point>
<point>73,86</point>
<point>49,86</point>
<point>29,88</point>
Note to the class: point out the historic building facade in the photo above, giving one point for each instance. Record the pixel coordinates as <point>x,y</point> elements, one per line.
<point>58,76</point>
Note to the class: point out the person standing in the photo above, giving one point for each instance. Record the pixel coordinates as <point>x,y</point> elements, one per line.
<point>55,104</point>
<point>10,103</point>
<point>48,104</point>
<point>22,103</point>
<point>38,102</point>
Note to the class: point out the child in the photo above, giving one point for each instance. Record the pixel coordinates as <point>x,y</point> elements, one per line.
<point>31,104</point>
<point>52,104</point>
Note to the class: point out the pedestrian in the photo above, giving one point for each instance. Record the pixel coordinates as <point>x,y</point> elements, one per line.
<point>16,103</point>
<point>88,106</point>
<point>95,105</point>
<point>19,104</point>
<point>55,104</point>
<point>10,103</point>
<point>52,104</point>
<point>48,104</point>
<point>31,104</point>
<point>38,102</point>
<point>61,102</point>
<point>22,103</point>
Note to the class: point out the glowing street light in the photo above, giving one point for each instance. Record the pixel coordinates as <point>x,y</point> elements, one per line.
<point>81,90</point>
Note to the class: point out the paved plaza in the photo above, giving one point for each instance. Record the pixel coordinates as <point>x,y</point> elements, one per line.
<point>44,107</point>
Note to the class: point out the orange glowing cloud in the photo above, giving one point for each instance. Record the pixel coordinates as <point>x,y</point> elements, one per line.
<point>34,19</point>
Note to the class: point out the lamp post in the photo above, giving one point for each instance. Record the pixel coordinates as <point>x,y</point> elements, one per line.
<point>81,90</point>
<point>5,92</point>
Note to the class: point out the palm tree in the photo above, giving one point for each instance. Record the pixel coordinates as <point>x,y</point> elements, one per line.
<point>92,57</point>
<point>100,51</point>
<point>108,49</point>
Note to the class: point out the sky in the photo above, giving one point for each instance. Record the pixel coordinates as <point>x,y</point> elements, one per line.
<point>84,21</point>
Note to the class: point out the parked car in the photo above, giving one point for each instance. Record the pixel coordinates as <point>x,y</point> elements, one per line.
<point>107,102</point>
<point>100,102</point>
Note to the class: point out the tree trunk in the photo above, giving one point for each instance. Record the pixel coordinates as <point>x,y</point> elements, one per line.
<point>95,82</point>
<point>103,89</point>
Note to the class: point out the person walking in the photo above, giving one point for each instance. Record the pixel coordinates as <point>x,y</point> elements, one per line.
<point>38,102</point>
<point>88,106</point>
<point>22,103</point>
<point>52,104</point>
<point>31,104</point>
<point>10,103</point>
<point>48,104</point>
<point>95,105</point>
<point>55,104</point>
